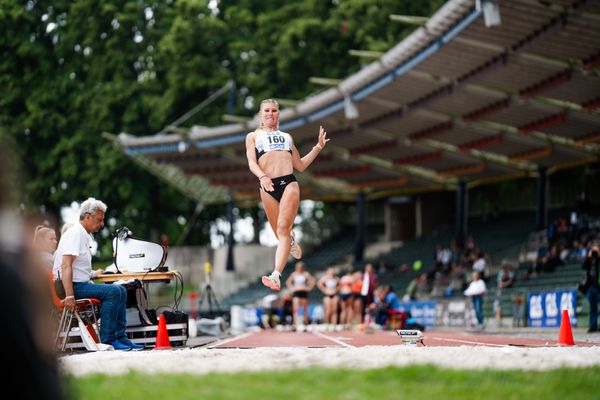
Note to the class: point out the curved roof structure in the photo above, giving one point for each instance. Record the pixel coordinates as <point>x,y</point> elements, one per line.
<point>455,100</point>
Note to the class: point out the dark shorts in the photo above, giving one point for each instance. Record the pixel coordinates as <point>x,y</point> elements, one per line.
<point>279,185</point>
<point>301,294</point>
<point>345,296</point>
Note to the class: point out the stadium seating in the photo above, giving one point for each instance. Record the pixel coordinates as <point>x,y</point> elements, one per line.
<point>500,238</point>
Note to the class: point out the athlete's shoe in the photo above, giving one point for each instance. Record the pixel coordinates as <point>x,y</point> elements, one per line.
<point>272,281</point>
<point>295,249</point>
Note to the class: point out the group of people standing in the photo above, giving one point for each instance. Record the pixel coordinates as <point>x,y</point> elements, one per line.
<point>346,299</point>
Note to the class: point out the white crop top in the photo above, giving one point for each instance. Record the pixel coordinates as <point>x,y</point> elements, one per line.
<point>272,141</point>
<point>331,283</point>
<point>300,280</point>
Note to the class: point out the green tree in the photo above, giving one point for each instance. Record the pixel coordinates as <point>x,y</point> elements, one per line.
<point>72,70</point>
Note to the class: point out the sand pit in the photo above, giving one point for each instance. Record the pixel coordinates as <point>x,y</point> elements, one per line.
<point>205,360</point>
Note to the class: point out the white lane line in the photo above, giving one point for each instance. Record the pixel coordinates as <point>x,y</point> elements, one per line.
<point>344,344</point>
<point>225,341</point>
<point>464,341</point>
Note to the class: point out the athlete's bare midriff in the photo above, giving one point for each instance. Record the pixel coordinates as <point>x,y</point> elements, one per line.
<point>276,163</point>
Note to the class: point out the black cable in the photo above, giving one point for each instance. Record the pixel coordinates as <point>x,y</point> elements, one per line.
<point>116,237</point>
<point>177,296</point>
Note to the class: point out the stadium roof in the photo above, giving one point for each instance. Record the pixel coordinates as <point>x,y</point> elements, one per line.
<point>455,100</point>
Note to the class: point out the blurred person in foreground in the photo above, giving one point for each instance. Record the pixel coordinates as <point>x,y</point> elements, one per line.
<point>28,349</point>
<point>272,157</point>
<point>73,266</point>
<point>592,285</point>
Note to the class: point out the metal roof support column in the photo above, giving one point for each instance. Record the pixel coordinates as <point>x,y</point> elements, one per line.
<point>361,225</point>
<point>256,223</point>
<point>460,228</point>
<point>418,217</point>
<point>230,266</point>
<point>540,214</point>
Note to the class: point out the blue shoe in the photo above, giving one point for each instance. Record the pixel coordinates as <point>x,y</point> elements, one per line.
<point>119,346</point>
<point>130,344</point>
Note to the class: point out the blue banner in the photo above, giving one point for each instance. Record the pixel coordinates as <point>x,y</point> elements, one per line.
<point>545,309</point>
<point>422,311</point>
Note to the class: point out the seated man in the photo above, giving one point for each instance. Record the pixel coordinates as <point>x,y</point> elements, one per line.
<point>386,303</point>
<point>73,265</point>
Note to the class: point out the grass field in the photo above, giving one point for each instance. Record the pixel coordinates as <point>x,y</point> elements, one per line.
<point>418,382</point>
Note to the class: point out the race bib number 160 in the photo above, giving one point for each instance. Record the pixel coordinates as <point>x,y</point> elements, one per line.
<point>275,142</point>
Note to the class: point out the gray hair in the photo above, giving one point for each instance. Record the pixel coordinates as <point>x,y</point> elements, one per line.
<point>90,206</point>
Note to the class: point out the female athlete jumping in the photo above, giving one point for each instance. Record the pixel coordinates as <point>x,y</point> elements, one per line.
<point>272,157</point>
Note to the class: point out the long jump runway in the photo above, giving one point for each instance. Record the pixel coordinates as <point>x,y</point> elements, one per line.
<point>351,339</point>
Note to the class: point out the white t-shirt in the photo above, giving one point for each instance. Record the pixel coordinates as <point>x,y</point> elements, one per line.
<point>76,241</point>
<point>479,265</point>
<point>476,288</point>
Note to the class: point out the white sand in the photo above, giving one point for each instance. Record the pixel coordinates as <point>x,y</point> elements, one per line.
<point>205,360</point>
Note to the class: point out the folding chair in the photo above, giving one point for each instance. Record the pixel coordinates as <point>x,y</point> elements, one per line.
<point>84,307</point>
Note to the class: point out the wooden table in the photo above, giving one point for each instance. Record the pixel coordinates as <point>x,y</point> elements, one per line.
<point>142,276</point>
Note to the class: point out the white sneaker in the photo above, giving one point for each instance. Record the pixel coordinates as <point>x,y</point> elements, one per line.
<point>295,249</point>
<point>272,282</point>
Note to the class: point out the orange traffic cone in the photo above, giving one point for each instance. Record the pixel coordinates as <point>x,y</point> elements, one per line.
<point>162,336</point>
<point>565,335</point>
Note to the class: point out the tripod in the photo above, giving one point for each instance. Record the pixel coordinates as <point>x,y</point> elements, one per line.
<point>208,293</point>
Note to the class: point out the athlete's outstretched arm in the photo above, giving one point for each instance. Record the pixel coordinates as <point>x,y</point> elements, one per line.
<point>266,184</point>
<point>302,163</point>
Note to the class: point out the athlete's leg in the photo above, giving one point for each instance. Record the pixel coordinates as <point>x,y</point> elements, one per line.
<point>271,207</point>
<point>326,309</point>
<point>304,303</point>
<point>343,312</point>
<point>349,310</point>
<point>288,208</point>
<point>357,310</point>
<point>296,305</point>
<point>333,310</point>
